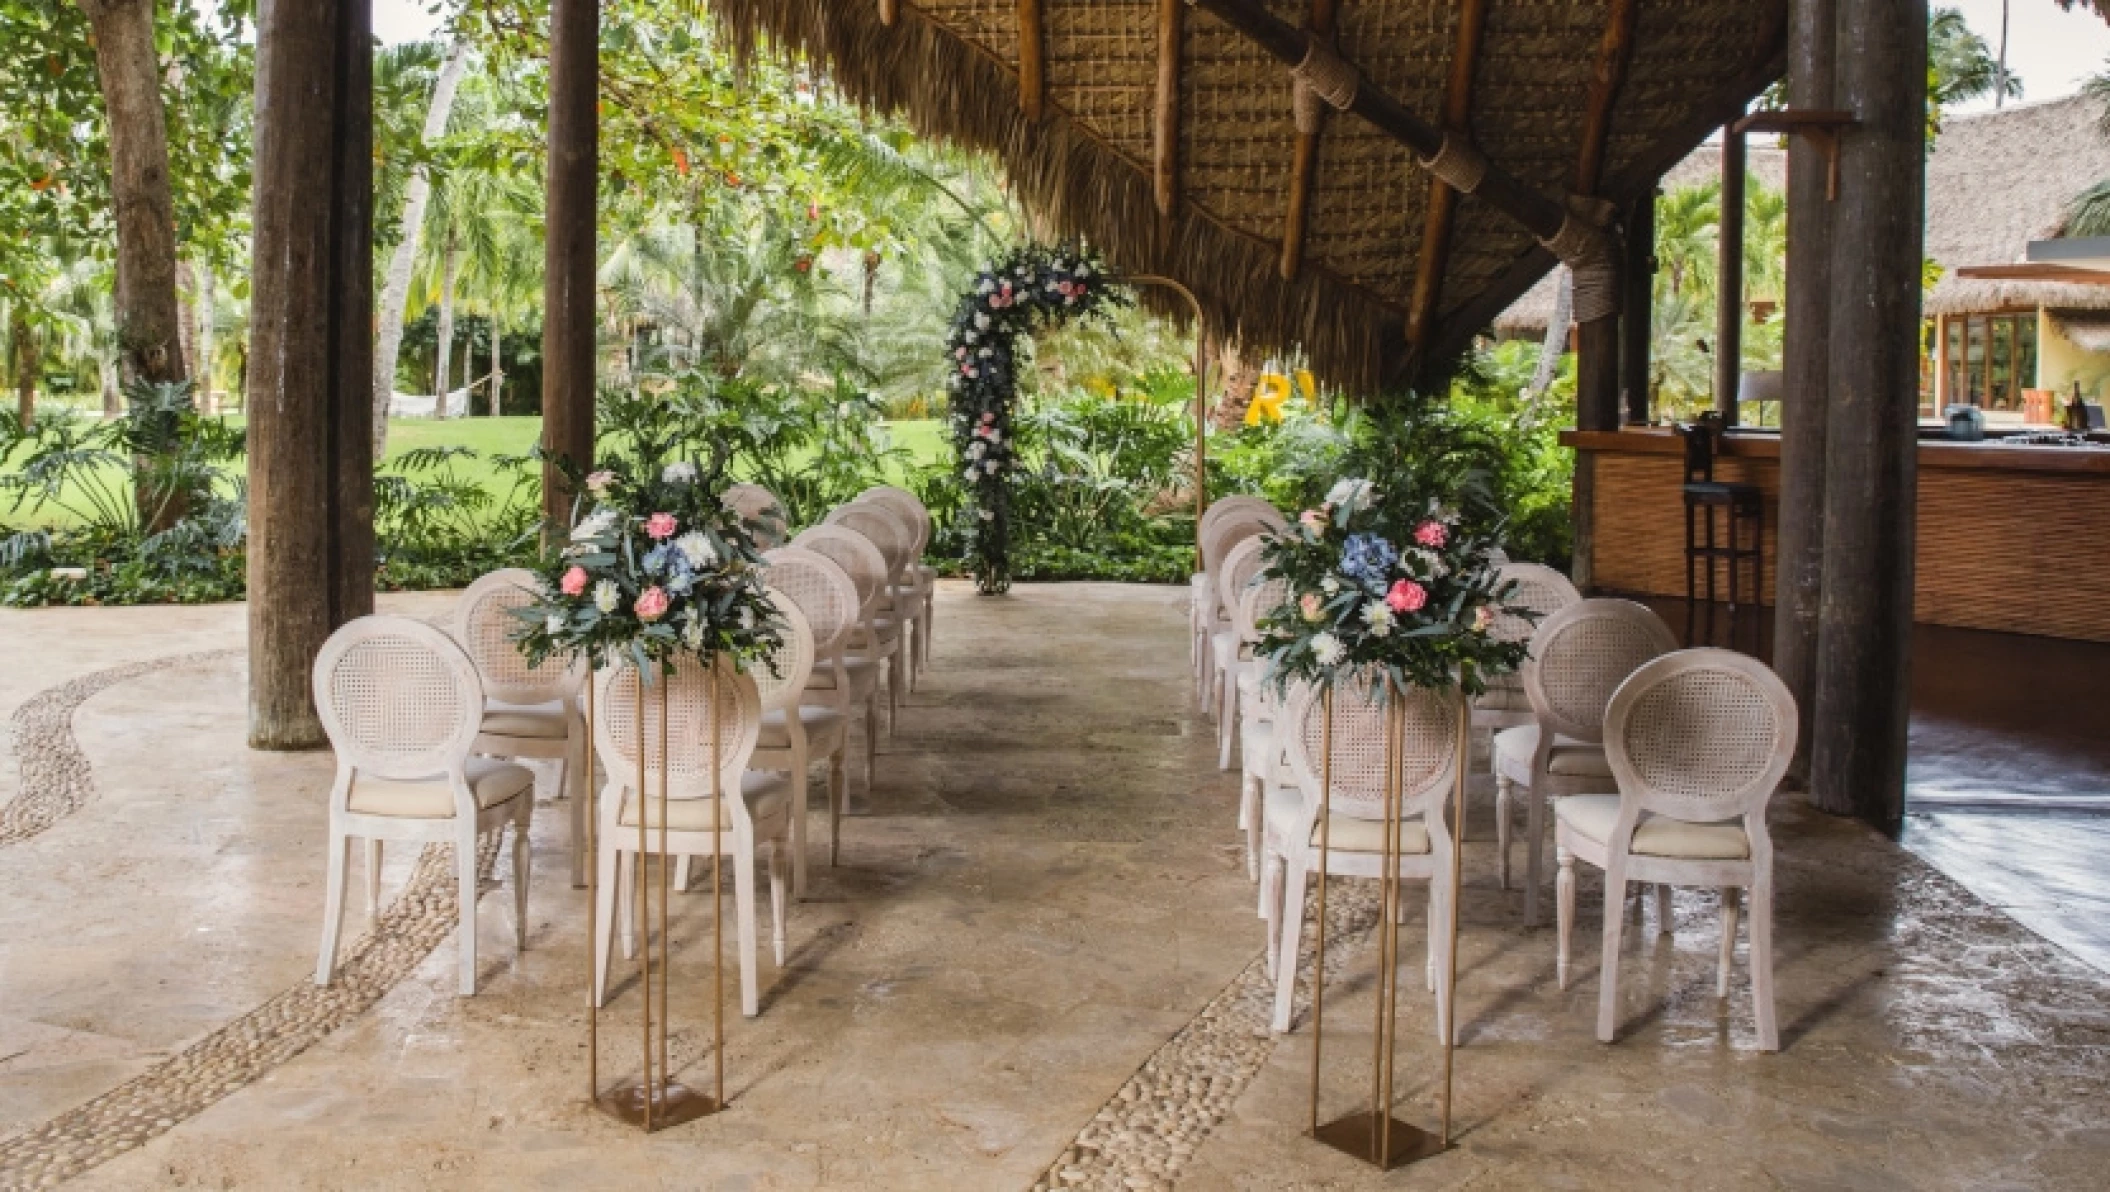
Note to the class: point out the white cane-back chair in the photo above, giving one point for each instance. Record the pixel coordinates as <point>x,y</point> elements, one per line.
<point>1201,584</point>
<point>840,684</point>
<point>529,711</point>
<point>402,706</point>
<point>1427,769</point>
<point>1228,645</point>
<point>1210,615</point>
<point>898,606</point>
<point>1503,705</point>
<point>876,639</point>
<point>1698,741</point>
<point>1260,752</point>
<point>1579,657</point>
<point>754,812</point>
<point>760,511</point>
<point>795,730</point>
<point>924,577</point>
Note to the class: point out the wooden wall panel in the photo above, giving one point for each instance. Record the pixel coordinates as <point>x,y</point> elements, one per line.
<point>2012,550</point>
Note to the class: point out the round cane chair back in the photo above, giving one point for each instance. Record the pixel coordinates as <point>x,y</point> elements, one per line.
<point>896,542</point>
<point>1427,761</point>
<point>1255,602</point>
<point>854,553</point>
<point>1579,657</point>
<point>484,625</point>
<point>1532,586</point>
<point>1241,563</point>
<point>905,505</point>
<point>398,697</point>
<point>1221,509</point>
<point>693,694</point>
<point>1701,735</point>
<point>781,674</point>
<point>820,588</point>
<point>1218,540</point>
<point>760,510</point>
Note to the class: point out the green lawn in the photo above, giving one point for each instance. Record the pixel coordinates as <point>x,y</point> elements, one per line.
<point>925,441</point>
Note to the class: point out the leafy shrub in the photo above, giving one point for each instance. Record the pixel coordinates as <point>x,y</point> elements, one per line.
<point>815,448</point>
<point>438,526</point>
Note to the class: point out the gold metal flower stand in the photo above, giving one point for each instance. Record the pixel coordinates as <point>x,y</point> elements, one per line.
<point>1373,1134</point>
<point>653,1100</point>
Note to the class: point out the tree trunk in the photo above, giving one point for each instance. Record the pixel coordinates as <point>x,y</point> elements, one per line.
<point>202,362</point>
<point>187,315</point>
<point>444,356</point>
<point>395,289</point>
<point>311,463</point>
<point>498,376</point>
<point>130,77</point>
<point>1871,449</point>
<point>568,273</point>
<point>1556,342</point>
<point>113,401</point>
<point>23,345</point>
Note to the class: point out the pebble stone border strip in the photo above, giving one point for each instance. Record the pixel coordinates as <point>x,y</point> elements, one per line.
<point>187,1083</point>
<point>1146,1133</point>
<point>56,780</point>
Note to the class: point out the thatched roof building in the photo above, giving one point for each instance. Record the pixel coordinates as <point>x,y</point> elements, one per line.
<point>1997,181</point>
<point>1171,140</point>
<point>1766,164</point>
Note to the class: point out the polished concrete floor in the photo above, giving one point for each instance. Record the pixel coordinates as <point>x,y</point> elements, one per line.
<point>1045,886</point>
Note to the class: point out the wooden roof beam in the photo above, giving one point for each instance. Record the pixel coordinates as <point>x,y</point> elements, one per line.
<point>1165,119</point>
<point>1614,51</point>
<point>1032,58</point>
<point>1443,200</point>
<point>1304,162</point>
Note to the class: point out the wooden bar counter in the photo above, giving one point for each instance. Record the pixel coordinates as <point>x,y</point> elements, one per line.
<point>2011,538</point>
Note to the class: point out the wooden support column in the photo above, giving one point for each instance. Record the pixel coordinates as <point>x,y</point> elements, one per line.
<point>1857,761</point>
<point>569,262</point>
<point>1032,58</point>
<point>1637,278</point>
<point>1806,366</point>
<point>1443,201</point>
<point>1729,280</point>
<point>311,359</point>
<point>1304,162</point>
<point>1165,119</point>
<point>1597,340</point>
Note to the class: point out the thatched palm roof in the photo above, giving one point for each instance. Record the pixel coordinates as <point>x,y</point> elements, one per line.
<point>1767,164</point>
<point>1088,164</point>
<point>1999,180</point>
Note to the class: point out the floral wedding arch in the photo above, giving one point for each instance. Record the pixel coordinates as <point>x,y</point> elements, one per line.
<point>1031,288</point>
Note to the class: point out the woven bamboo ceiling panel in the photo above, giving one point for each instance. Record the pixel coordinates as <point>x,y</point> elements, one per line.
<point>1088,163</point>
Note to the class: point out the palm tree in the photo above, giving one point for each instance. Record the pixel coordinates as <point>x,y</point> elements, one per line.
<point>1960,66</point>
<point>1688,226</point>
<point>397,75</point>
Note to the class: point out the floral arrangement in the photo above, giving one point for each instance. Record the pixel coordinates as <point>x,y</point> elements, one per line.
<point>1386,584</point>
<point>653,566</point>
<point>1031,288</point>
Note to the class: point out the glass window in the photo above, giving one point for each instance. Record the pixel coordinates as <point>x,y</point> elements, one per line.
<point>2000,390</point>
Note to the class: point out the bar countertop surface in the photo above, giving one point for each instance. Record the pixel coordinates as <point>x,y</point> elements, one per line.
<point>1992,454</point>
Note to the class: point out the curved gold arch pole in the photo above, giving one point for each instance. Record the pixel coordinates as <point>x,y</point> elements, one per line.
<point>1201,399</point>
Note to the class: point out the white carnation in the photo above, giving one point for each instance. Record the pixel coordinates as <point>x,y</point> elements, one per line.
<point>683,472</point>
<point>1326,648</point>
<point>606,596</point>
<point>696,548</point>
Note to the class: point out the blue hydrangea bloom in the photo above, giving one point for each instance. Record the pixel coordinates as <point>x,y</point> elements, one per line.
<point>1368,559</point>
<point>656,560</point>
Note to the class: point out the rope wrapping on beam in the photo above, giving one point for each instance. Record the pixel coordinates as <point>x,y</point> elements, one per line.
<point>1307,106</point>
<point>1328,74</point>
<point>1457,164</point>
<point>1583,245</point>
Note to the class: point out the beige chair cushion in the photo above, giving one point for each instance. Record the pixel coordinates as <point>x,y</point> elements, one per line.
<point>819,722</point>
<point>1346,834</point>
<point>1255,739</point>
<point>928,572</point>
<point>1593,816</point>
<point>433,798</point>
<point>545,722</point>
<point>763,793</point>
<point>863,672</point>
<point>1571,758</point>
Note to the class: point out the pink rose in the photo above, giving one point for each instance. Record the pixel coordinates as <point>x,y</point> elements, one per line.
<point>660,526</point>
<point>1313,520</point>
<point>1310,606</point>
<point>1406,596</point>
<point>651,604</point>
<point>1483,617</point>
<point>574,582</point>
<point>1432,535</point>
<point>598,482</point>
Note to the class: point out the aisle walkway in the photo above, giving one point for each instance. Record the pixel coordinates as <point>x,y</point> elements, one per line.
<point>1036,966</point>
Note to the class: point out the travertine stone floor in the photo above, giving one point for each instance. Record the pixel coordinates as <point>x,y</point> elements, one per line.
<point>1044,890</point>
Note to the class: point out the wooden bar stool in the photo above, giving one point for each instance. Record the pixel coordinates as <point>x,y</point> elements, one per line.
<point>1744,507</point>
